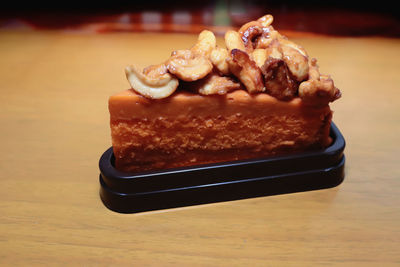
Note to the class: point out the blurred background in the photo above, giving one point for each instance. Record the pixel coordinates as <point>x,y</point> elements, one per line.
<point>342,18</point>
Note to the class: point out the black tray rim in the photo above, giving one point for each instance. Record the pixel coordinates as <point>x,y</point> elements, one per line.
<point>222,192</point>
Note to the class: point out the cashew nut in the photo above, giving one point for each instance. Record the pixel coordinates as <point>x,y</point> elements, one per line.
<point>266,20</point>
<point>155,71</point>
<point>246,70</point>
<point>266,38</point>
<point>151,87</point>
<point>313,71</point>
<point>249,32</point>
<point>278,81</point>
<point>205,43</point>
<point>258,34</point>
<point>233,41</point>
<point>296,63</point>
<point>319,90</point>
<point>218,59</point>
<point>294,56</point>
<point>286,43</point>
<point>259,56</point>
<point>214,84</point>
<point>274,50</point>
<point>188,65</point>
<point>296,59</point>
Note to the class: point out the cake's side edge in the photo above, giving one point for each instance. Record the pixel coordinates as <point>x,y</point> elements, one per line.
<point>158,142</point>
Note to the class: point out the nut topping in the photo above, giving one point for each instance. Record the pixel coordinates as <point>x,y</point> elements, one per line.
<point>319,90</point>
<point>257,55</point>
<point>152,86</point>
<point>246,70</point>
<point>249,32</point>
<point>188,65</point>
<point>155,71</point>
<point>215,84</point>
<point>233,41</point>
<point>295,58</point>
<point>205,43</point>
<point>218,58</point>
<point>266,20</point>
<point>278,81</point>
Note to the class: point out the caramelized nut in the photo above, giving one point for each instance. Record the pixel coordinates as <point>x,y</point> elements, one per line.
<point>259,56</point>
<point>266,20</point>
<point>205,43</point>
<point>188,65</point>
<point>218,58</point>
<point>295,58</point>
<point>246,70</point>
<point>278,81</point>
<point>313,71</point>
<point>319,90</point>
<point>155,71</point>
<point>233,41</point>
<point>249,32</point>
<point>153,86</point>
<point>215,84</point>
<point>265,39</point>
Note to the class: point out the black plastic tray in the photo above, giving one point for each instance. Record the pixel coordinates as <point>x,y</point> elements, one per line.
<point>129,193</point>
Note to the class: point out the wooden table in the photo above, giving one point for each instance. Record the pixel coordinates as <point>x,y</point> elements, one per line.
<point>54,127</point>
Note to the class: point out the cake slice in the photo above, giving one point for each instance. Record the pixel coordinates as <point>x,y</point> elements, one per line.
<point>188,129</point>
<point>261,96</point>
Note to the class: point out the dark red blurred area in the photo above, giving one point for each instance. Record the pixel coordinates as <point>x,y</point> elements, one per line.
<point>343,18</point>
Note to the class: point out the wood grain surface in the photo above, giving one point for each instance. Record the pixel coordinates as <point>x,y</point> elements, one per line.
<point>54,127</point>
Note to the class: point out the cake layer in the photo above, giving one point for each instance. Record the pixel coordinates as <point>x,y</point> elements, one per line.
<point>189,129</point>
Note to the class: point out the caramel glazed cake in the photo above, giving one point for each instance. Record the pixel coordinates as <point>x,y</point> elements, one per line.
<point>260,96</point>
